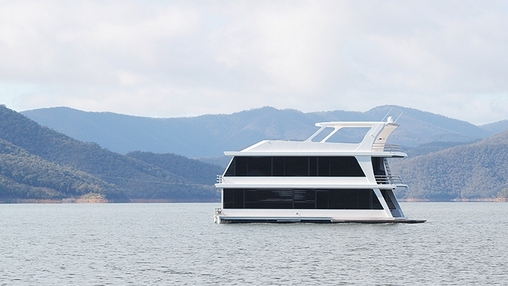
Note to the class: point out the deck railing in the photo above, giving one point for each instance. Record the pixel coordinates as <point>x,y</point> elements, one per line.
<point>383,179</point>
<point>380,179</point>
<point>387,147</point>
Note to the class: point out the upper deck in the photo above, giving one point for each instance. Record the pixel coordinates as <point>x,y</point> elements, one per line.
<point>374,142</point>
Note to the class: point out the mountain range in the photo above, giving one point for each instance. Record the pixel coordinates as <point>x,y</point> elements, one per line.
<point>63,153</point>
<point>210,135</point>
<point>38,163</point>
<point>466,172</point>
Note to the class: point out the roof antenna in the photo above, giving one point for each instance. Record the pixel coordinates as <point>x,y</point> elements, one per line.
<point>382,120</point>
<point>399,116</point>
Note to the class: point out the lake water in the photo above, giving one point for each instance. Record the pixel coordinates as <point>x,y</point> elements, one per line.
<point>178,244</point>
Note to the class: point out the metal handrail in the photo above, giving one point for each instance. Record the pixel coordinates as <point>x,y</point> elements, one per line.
<point>380,179</point>
<point>388,147</point>
<point>393,148</point>
<point>383,179</point>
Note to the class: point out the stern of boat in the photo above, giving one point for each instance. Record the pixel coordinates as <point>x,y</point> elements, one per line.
<point>217,215</point>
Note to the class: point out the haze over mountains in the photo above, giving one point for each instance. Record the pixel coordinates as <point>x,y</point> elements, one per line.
<point>448,159</point>
<point>210,135</point>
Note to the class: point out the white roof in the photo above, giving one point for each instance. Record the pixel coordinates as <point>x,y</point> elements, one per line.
<point>373,143</point>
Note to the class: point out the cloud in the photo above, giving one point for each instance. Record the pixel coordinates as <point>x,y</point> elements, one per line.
<point>179,58</point>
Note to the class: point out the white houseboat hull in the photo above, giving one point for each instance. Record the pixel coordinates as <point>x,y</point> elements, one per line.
<point>314,216</point>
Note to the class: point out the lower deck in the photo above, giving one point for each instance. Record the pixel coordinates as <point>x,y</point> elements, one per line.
<point>307,216</point>
<point>309,205</point>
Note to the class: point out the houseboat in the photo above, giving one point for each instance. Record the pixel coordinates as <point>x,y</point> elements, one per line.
<point>321,179</point>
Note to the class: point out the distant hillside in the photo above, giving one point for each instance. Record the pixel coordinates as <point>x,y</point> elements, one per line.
<point>496,127</point>
<point>478,170</point>
<point>40,163</point>
<point>210,135</point>
<point>432,147</point>
<point>46,164</point>
<point>27,176</point>
<point>189,169</point>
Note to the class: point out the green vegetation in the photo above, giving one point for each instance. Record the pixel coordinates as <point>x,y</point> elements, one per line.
<point>39,163</point>
<point>26,176</point>
<point>474,171</point>
<point>189,169</point>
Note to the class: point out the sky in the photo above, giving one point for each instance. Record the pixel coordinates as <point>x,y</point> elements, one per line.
<point>188,58</point>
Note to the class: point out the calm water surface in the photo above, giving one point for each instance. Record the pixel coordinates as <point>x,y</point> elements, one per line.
<point>178,244</point>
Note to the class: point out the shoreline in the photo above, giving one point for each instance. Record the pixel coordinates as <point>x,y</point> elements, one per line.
<point>165,201</point>
<point>96,201</point>
<point>497,200</point>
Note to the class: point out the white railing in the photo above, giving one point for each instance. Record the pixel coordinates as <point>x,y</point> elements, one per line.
<point>387,147</point>
<point>380,179</point>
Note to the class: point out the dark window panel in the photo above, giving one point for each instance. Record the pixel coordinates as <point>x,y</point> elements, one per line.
<point>349,199</point>
<point>364,199</point>
<point>313,166</point>
<point>296,166</point>
<point>231,171</point>
<point>241,166</point>
<point>323,168</point>
<point>239,199</point>
<point>301,199</point>
<point>228,199</point>
<point>278,166</point>
<point>322,199</point>
<point>259,166</point>
<point>388,200</point>
<point>345,167</point>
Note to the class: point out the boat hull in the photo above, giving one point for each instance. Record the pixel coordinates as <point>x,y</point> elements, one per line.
<point>226,219</point>
<point>306,216</point>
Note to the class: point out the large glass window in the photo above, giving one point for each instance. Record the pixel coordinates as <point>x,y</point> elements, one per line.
<point>300,199</point>
<point>321,166</point>
<point>388,200</point>
<point>296,166</point>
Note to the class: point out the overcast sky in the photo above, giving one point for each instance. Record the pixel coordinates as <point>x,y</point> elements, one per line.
<point>187,58</point>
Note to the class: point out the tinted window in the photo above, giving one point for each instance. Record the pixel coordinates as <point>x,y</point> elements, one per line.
<point>278,166</point>
<point>259,166</point>
<point>345,166</point>
<point>296,166</point>
<point>300,199</point>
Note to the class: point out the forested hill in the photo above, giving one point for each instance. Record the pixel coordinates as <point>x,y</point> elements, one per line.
<point>210,135</point>
<point>39,163</point>
<point>473,171</point>
<point>26,176</point>
<point>184,167</point>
